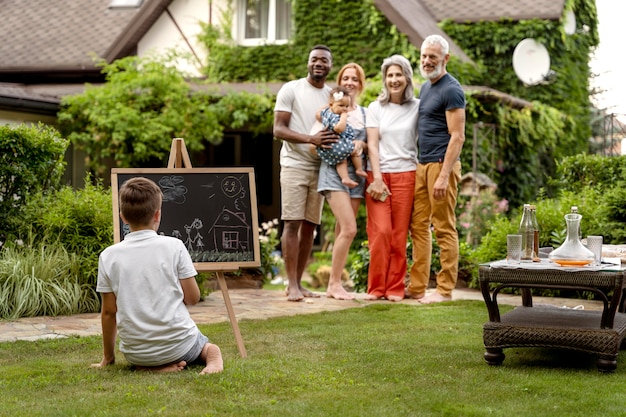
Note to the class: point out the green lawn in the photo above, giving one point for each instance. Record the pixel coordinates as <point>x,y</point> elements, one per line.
<point>379,360</point>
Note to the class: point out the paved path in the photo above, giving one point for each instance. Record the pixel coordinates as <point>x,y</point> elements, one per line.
<point>247,304</point>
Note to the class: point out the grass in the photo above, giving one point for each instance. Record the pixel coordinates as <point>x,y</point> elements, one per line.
<point>379,360</point>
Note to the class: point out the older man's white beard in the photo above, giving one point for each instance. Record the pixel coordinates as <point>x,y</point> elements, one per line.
<point>432,75</point>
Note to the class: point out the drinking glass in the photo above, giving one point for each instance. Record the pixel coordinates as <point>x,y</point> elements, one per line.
<point>513,248</point>
<point>594,244</point>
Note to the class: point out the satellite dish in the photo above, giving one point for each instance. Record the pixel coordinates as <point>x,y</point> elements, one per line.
<point>569,23</point>
<point>531,62</point>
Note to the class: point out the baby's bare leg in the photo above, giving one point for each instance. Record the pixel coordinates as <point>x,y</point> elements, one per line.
<point>342,170</point>
<point>358,166</point>
<point>212,356</point>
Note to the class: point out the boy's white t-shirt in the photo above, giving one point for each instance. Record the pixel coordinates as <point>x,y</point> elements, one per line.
<point>302,100</point>
<point>397,129</point>
<point>143,271</point>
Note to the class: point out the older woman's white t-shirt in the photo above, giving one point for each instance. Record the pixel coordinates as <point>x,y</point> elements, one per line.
<point>397,139</point>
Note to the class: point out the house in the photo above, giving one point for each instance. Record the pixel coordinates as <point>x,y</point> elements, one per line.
<point>230,232</point>
<point>48,50</point>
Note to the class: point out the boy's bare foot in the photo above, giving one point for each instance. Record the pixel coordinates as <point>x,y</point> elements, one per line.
<point>394,298</point>
<point>170,367</point>
<point>361,173</point>
<point>349,183</point>
<point>435,298</point>
<point>212,355</point>
<point>338,293</point>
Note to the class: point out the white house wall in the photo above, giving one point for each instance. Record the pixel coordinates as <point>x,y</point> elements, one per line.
<point>164,35</point>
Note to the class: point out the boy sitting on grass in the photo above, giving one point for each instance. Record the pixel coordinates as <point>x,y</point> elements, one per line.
<point>147,281</point>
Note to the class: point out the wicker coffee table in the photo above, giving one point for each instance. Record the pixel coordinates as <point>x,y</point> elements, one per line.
<point>596,332</point>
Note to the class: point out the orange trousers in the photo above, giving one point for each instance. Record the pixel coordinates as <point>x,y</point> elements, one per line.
<point>439,213</point>
<point>387,232</point>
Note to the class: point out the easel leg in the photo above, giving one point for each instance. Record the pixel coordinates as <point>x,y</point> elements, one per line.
<point>231,314</point>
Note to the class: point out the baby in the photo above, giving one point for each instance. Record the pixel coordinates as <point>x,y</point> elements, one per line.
<point>335,118</point>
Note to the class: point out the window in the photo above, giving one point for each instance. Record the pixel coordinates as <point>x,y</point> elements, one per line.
<point>230,240</point>
<point>264,21</point>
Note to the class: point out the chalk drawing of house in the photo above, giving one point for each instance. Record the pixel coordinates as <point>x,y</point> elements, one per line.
<point>230,232</point>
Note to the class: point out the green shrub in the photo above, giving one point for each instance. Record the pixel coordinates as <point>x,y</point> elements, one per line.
<point>31,161</point>
<point>583,170</point>
<point>612,215</point>
<point>79,220</point>
<point>359,266</point>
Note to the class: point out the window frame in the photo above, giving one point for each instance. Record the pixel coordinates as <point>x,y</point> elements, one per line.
<point>272,27</point>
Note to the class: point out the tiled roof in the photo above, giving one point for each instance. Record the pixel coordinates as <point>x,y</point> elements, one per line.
<point>62,35</point>
<point>58,33</point>
<point>477,10</point>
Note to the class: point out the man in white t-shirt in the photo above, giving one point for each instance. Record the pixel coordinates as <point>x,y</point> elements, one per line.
<point>297,103</point>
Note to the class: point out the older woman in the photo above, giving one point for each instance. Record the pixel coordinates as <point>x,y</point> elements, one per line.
<point>392,147</point>
<point>343,201</point>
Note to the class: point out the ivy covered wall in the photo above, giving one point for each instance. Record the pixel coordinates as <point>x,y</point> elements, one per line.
<point>529,143</point>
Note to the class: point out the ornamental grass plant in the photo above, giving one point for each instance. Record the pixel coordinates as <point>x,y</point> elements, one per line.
<point>380,360</point>
<point>42,279</point>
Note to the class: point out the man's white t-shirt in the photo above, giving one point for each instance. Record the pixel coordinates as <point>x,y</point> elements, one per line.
<point>397,129</point>
<point>143,271</point>
<point>302,100</point>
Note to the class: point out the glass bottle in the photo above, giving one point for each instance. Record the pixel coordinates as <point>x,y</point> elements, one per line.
<point>533,217</point>
<point>572,252</point>
<point>528,235</point>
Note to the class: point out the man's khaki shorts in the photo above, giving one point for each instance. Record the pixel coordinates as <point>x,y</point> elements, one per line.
<point>300,199</point>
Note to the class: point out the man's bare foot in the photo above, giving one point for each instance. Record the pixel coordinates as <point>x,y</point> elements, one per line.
<point>213,357</point>
<point>435,298</point>
<point>371,297</point>
<point>338,293</point>
<point>349,183</point>
<point>294,294</point>
<point>361,173</point>
<point>410,295</point>
<point>394,298</point>
<point>308,294</point>
<point>170,367</point>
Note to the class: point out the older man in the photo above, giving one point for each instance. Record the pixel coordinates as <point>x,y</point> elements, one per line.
<point>441,134</point>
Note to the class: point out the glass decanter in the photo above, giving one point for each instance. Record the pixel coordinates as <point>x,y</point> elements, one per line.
<point>572,252</point>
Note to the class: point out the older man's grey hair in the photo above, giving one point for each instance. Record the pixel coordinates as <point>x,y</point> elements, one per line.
<point>407,70</point>
<point>437,40</point>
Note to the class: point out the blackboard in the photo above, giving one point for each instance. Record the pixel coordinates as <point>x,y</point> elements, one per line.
<point>212,210</point>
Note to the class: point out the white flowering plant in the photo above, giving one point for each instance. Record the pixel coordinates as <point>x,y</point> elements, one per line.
<point>271,259</point>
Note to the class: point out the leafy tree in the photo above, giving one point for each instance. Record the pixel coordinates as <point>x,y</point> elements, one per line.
<point>132,118</point>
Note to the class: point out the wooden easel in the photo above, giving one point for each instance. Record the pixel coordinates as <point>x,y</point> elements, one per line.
<point>179,158</point>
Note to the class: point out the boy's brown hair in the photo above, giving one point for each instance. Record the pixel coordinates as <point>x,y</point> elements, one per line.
<point>140,198</point>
